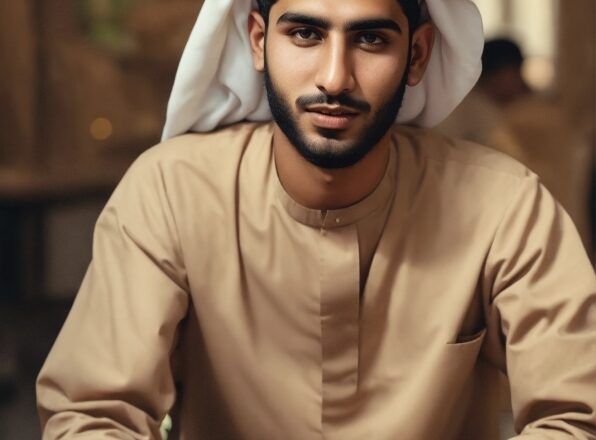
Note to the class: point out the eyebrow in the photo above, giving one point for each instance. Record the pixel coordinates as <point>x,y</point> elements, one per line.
<point>373,23</point>
<point>351,26</point>
<point>292,17</point>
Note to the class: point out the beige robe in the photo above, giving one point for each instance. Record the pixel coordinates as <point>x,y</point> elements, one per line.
<point>214,296</point>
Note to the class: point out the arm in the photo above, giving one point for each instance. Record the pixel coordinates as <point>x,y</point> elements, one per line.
<point>544,305</point>
<point>108,374</point>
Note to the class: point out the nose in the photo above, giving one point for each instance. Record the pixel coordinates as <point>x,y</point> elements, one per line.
<point>335,74</point>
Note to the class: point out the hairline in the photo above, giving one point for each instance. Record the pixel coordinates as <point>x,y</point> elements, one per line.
<point>265,6</point>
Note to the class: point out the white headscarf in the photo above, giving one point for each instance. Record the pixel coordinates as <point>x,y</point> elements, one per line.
<point>216,83</point>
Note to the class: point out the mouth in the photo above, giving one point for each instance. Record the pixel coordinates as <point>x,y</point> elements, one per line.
<point>332,117</point>
<point>332,111</point>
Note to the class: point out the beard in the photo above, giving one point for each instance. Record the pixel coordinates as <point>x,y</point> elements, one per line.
<point>330,152</point>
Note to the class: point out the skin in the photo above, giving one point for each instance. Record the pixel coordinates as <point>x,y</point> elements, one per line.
<point>306,59</point>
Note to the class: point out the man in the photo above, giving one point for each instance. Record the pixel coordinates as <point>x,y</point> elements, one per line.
<point>326,275</point>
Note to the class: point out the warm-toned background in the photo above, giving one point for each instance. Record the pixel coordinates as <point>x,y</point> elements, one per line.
<point>83,90</point>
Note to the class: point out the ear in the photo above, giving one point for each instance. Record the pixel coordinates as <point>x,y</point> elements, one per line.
<point>422,47</point>
<point>256,35</point>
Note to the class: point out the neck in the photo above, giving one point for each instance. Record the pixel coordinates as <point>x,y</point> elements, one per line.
<point>324,189</point>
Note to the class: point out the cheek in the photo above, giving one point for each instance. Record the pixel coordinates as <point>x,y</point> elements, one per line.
<point>290,67</point>
<point>378,77</point>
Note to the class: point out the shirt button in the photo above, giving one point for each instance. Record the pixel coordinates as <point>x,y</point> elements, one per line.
<point>337,220</point>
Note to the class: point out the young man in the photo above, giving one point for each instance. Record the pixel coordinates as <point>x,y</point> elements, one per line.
<point>327,275</point>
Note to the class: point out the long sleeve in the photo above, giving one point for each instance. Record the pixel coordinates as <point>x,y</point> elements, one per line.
<point>544,306</point>
<point>109,374</point>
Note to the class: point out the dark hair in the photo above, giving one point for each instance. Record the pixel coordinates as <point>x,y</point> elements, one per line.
<point>411,9</point>
<point>499,53</point>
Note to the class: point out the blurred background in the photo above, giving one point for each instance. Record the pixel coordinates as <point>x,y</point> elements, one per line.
<point>83,91</point>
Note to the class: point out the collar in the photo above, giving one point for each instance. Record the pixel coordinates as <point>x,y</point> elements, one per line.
<point>337,218</point>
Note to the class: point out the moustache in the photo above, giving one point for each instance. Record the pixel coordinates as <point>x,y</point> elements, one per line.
<point>342,100</point>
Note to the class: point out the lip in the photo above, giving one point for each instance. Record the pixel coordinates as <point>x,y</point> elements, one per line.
<point>334,118</point>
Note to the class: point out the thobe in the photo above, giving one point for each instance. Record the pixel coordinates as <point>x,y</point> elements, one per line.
<point>213,296</point>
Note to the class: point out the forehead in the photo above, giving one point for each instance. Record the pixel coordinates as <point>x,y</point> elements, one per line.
<point>341,10</point>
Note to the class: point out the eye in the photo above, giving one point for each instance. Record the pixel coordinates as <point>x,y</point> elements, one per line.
<point>369,39</point>
<point>305,34</point>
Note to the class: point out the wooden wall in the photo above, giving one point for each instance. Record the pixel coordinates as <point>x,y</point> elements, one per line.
<point>18,85</point>
<point>577,63</point>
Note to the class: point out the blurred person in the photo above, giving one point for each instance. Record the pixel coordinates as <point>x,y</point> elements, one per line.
<point>502,78</point>
<point>326,274</point>
<point>503,112</point>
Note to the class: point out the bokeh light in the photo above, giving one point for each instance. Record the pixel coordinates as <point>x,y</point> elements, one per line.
<point>101,129</point>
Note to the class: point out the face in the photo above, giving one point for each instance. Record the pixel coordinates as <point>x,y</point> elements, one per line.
<point>335,74</point>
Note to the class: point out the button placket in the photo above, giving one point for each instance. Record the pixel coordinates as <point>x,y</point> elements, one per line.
<point>340,296</point>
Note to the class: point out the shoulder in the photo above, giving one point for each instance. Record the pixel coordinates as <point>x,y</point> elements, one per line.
<point>449,152</point>
<point>204,150</point>
<point>195,157</point>
<point>192,165</point>
<point>470,184</point>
